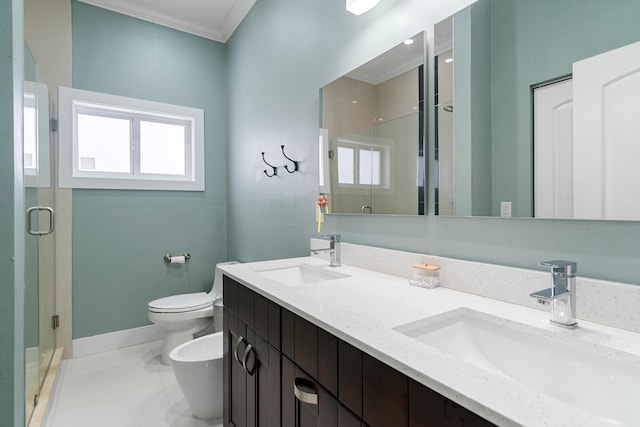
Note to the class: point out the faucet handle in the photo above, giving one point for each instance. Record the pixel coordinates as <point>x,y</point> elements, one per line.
<point>560,266</point>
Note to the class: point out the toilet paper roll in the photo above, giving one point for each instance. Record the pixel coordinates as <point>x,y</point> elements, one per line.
<point>177,259</point>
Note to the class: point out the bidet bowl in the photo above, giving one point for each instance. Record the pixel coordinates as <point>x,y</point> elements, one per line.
<point>197,365</point>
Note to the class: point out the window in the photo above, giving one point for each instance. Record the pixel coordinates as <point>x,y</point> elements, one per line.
<point>109,141</point>
<point>362,164</point>
<point>37,171</point>
<point>323,162</point>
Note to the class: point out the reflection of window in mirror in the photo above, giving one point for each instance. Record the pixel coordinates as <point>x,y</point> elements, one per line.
<point>346,165</point>
<point>360,166</point>
<point>30,135</point>
<point>323,161</point>
<point>369,167</point>
<point>37,169</point>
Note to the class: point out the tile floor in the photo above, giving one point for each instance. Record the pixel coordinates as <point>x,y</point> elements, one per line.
<point>121,388</point>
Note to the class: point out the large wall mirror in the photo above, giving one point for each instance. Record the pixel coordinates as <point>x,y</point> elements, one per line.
<point>536,110</point>
<point>372,135</point>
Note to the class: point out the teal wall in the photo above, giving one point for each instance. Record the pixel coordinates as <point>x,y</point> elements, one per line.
<point>120,237</point>
<point>472,113</point>
<point>279,57</point>
<point>530,45</point>
<point>11,216</point>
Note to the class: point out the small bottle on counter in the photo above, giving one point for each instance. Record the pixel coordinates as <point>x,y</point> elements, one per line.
<point>425,276</point>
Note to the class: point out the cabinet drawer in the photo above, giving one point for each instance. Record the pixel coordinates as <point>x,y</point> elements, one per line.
<point>428,408</point>
<point>274,325</point>
<point>328,361</point>
<point>261,315</point>
<point>347,419</point>
<point>306,346</point>
<point>384,394</point>
<point>309,405</point>
<point>230,295</point>
<point>288,321</point>
<point>246,306</point>
<point>350,377</point>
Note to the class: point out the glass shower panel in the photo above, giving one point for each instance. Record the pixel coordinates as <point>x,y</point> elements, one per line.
<point>39,309</point>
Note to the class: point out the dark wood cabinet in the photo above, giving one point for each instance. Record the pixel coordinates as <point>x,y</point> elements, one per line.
<point>282,370</point>
<point>252,366</point>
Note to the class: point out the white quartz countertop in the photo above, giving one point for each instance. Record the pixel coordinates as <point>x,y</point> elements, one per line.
<point>364,308</point>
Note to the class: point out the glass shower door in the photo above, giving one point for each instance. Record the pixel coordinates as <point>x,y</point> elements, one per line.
<point>39,241</point>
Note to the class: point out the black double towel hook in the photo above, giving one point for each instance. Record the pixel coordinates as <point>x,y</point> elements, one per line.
<point>274,170</point>
<point>295,164</point>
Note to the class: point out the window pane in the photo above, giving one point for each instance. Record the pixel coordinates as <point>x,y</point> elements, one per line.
<point>321,161</point>
<point>30,140</point>
<point>162,148</point>
<point>369,173</point>
<point>345,165</point>
<point>375,167</point>
<point>104,144</point>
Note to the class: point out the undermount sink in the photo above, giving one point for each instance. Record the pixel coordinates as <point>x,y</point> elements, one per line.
<point>601,381</point>
<point>301,274</point>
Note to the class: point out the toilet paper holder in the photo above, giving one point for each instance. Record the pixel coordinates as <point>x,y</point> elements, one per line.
<point>168,258</point>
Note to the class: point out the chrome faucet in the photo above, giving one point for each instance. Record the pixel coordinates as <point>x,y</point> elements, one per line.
<point>562,293</point>
<point>333,249</point>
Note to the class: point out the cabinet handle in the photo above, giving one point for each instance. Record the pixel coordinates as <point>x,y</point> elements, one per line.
<point>235,349</point>
<point>245,355</point>
<point>305,391</point>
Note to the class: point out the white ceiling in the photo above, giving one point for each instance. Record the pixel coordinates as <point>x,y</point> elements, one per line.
<point>212,19</point>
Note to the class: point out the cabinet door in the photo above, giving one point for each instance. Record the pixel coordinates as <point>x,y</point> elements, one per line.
<point>236,387</point>
<point>253,382</point>
<point>263,382</point>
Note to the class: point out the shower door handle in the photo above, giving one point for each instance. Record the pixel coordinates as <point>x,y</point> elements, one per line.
<point>30,229</point>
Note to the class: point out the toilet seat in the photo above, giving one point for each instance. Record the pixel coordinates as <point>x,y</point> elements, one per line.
<point>181,303</point>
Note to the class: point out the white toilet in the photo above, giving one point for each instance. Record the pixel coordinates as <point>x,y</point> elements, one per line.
<point>197,365</point>
<point>182,316</point>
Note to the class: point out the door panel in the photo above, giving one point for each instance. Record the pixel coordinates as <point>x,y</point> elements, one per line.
<point>606,135</point>
<point>553,148</point>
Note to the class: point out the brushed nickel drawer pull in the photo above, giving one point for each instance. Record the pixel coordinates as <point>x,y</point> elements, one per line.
<point>304,391</point>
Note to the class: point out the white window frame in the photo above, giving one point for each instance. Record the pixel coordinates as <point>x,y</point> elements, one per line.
<point>73,101</point>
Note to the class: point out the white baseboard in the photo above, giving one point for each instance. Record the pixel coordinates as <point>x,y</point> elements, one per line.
<point>115,340</point>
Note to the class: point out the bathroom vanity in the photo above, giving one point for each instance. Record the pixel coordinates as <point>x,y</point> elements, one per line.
<point>283,370</point>
<point>309,344</point>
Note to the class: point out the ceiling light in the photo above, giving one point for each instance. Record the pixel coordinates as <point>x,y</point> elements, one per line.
<point>408,42</point>
<point>358,7</point>
<point>448,60</point>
